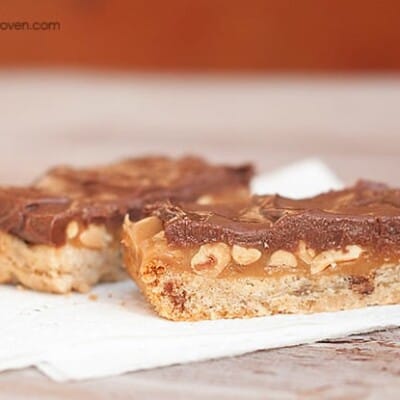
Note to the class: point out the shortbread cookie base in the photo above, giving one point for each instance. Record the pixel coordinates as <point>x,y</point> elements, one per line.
<point>57,269</point>
<point>189,297</point>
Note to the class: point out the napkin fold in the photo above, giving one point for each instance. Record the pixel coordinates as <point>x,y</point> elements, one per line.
<point>114,331</point>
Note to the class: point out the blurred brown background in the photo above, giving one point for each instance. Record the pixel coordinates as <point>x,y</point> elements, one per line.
<point>207,35</point>
<point>317,78</point>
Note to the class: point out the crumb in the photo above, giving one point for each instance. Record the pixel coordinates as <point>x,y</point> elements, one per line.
<point>20,287</point>
<point>93,297</point>
<point>109,295</point>
<point>123,303</point>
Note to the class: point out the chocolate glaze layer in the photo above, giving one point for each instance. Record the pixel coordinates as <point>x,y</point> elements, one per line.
<point>40,213</point>
<point>367,214</point>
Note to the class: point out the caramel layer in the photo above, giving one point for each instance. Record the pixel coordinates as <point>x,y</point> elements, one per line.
<point>179,259</point>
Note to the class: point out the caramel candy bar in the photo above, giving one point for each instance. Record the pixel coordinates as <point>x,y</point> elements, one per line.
<point>269,255</point>
<point>63,232</point>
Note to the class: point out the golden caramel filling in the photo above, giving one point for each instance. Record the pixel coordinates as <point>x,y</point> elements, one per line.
<point>221,260</point>
<point>148,246</point>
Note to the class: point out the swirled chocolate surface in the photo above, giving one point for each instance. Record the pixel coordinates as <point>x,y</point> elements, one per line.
<point>367,214</point>
<point>39,214</point>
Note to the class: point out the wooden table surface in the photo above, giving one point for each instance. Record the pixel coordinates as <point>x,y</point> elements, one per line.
<point>354,125</point>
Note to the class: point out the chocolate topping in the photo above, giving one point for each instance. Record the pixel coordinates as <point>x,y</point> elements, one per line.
<point>40,214</point>
<point>365,214</point>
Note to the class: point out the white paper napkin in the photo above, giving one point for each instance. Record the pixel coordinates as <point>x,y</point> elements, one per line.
<point>76,337</point>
